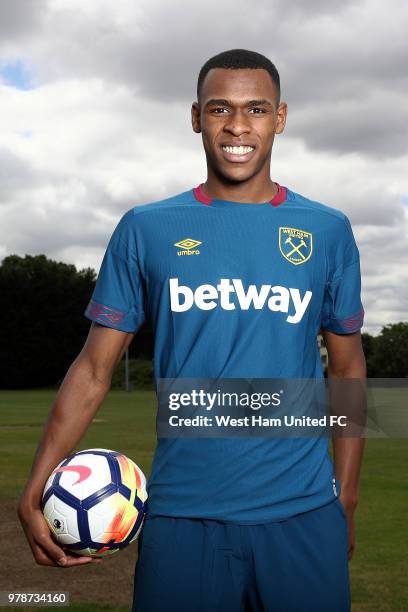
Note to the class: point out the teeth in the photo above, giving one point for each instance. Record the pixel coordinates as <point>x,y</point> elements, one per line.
<point>238,150</point>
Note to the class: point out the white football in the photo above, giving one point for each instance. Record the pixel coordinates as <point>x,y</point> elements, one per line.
<point>94,502</point>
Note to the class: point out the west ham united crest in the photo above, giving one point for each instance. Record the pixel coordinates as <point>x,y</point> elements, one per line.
<point>295,245</point>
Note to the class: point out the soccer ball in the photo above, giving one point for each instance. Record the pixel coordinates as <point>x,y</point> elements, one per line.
<point>94,502</point>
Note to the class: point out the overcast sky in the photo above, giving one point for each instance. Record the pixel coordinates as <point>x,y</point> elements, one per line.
<point>95,104</point>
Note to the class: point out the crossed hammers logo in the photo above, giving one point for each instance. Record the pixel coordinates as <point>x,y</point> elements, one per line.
<point>296,247</point>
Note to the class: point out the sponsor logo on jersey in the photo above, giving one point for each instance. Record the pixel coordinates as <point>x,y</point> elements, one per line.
<point>296,245</point>
<point>230,294</point>
<point>188,246</point>
<point>83,471</point>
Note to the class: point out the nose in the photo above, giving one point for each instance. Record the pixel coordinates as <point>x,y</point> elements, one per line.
<point>237,123</point>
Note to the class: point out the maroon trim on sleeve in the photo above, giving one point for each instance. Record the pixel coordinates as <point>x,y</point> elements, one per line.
<point>102,313</point>
<point>353,323</point>
<point>202,197</point>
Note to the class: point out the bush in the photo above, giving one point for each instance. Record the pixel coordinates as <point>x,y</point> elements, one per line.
<point>140,374</point>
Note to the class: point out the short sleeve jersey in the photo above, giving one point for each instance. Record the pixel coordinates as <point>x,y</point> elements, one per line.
<point>234,290</point>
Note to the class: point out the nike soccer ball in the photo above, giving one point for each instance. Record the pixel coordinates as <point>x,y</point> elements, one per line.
<point>94,502</point>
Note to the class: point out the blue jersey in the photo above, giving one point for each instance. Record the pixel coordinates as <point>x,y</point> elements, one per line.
<point>234,290</point>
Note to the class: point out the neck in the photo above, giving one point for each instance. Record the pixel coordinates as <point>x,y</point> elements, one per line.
<point>257,189</point>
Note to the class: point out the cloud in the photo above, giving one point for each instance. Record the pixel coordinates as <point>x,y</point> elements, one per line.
<point>15,175</point>
<point>342,65</point>
<point>350,125</point>
<point>20,17</point>
<point>107,124</point>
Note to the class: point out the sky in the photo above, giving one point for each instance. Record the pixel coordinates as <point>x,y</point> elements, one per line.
<point>95,102</point>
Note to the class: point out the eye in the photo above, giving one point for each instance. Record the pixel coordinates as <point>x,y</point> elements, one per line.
<point>257,110</point>
<point>219,110</point>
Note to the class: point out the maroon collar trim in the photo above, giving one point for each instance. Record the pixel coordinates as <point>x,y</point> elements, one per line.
<point>202,197</point>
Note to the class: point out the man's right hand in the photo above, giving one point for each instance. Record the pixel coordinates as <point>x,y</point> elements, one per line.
<point>79,398</point>
<point>44,548</point>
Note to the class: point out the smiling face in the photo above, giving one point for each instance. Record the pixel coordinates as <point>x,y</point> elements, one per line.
<point>238,116</point>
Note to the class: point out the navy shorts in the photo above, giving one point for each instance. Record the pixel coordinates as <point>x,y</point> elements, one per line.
<point>199,565</point>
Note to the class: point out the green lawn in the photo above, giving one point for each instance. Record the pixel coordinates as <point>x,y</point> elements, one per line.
<point>126,423</point>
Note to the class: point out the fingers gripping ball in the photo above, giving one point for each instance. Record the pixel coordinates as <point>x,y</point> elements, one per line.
<point>94,502</point>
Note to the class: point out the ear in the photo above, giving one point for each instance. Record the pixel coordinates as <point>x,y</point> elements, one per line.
<point>195,117</point>
<point>281,113</point>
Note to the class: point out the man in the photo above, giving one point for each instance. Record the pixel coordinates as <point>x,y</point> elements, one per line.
<point>253,523</point>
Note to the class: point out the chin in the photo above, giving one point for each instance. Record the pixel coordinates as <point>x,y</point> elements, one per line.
<point>230,173</point>
<point>237,176</point>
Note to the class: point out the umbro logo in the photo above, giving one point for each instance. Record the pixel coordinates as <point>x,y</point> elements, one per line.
<point>187,246</point>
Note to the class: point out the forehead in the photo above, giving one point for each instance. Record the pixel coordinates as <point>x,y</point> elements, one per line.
<point>238,84</point>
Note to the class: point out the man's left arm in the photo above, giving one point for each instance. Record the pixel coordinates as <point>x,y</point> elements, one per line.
<point>346,361</point>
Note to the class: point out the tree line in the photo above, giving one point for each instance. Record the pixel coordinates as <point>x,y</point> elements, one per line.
<point>43,325</point>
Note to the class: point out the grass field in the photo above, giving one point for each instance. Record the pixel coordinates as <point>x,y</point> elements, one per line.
<point>126,422</point>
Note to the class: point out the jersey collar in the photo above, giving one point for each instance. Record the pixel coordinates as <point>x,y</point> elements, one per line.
<point>202,197</point>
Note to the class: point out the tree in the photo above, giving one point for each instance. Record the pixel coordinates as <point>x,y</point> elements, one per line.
<point>389,354</point>
<point>367,341</point>
<point>42,302</point>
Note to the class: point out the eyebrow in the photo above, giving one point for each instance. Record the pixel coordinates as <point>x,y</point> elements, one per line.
<point>223,102</point>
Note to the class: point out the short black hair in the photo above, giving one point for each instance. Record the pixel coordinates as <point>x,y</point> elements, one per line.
<point>236,59</point>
